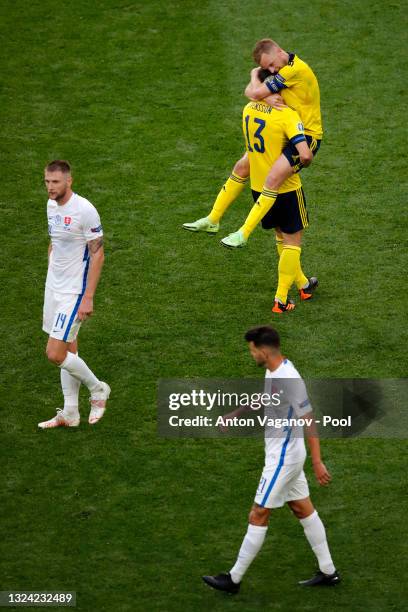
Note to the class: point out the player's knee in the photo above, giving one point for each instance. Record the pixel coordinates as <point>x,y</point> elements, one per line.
<point>296,510</point>
<point>302,509</point>
<point>259,516</point>
<point>55,356</point>
<point>241,168</point>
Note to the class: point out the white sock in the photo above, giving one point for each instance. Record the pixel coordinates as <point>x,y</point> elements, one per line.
<point>250,547</point>
<point>77,367</point>
<point>316,536</point>
<point>70,390</point>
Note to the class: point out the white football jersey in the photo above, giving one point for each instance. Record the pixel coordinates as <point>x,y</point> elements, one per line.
<point>70,227</point>
<point>285,444</point>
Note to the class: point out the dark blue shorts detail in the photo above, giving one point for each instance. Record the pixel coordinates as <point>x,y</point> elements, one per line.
<point>288,213</point>
<point>292,155</point>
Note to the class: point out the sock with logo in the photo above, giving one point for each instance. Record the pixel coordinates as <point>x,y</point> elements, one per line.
<point>264,203</point>
<point>229,192</point>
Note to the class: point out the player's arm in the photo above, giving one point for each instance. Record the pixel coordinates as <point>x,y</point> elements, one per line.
<point>294,131</point>
<point>305,154</point>
<point>97,257</point>
<point>256,90</point>
<point>321,472</point>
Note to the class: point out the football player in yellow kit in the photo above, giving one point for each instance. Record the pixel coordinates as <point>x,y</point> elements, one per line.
<point>294,80</point>
<point>267,131</point>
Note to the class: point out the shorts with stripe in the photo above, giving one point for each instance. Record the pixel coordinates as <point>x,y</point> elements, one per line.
<point>281,483</point>
<point>288,212</point>
<point>292,155</point>
<point>60,315</point>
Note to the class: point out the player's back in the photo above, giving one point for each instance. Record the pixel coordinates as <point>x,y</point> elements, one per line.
<point>298,85</point>
<point>267,131</point>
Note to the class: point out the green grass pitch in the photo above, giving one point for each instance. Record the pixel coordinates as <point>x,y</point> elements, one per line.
<point>145,99</point>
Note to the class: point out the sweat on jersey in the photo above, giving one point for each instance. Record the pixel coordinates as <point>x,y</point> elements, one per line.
<point>286,445</point>
<point>70,227</point>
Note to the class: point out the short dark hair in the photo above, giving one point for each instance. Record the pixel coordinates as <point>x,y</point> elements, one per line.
<point>59,164</point>
<point>264,335</point>
<point>263,74</point>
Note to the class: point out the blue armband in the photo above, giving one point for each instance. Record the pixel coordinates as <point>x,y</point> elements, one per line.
<point>298,138</point>
<point>275,83</point>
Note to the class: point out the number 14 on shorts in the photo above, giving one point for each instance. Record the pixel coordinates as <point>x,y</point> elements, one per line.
<point>261,485</point>
<point>60,321</point>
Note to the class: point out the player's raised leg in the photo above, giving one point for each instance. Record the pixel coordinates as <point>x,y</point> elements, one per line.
<point>316,536</point>
<point>280,171</point>
<point>227,195</point>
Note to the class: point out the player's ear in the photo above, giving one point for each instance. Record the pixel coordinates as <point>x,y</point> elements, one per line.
<point>265,352</point>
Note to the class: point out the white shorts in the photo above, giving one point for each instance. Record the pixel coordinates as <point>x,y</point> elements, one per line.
<point>60,319</point>
<point>280,484</point>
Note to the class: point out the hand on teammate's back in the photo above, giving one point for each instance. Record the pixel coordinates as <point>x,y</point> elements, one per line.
<point>276,101</point>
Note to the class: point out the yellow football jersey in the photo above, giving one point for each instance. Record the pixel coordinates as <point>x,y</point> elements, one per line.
<point>266,132</point>
<point>298,86</point>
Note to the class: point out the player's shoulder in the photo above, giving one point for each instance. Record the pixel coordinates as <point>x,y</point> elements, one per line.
<point>285,370</point>
<point>84,204</point>
<point>294,66</point>
<point>302,66</point>
<point>290,369</point>
<point>289,114</point>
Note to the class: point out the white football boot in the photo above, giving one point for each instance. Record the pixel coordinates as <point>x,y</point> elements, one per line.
<point>98,401</point>
<point>202,225</point>
<point>60,420</point>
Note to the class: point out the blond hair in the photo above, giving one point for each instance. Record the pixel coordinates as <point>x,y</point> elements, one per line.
<point>59,164</point>
<point>263,46</point>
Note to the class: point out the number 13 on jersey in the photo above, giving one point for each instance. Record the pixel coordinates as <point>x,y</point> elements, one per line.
<point>258,146</point>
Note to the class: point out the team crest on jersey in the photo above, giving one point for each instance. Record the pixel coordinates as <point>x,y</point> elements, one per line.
<point>67,221</point>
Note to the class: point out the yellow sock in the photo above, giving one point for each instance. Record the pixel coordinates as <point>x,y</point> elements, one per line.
<point>287,268</point>
<point>279,245</point>
<point>300,279</point>
<point>264,203</point>
<point>229,192</point>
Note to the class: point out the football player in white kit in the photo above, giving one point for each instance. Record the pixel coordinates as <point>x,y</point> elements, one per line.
<point>75,260</point>
<point>283,480</point>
